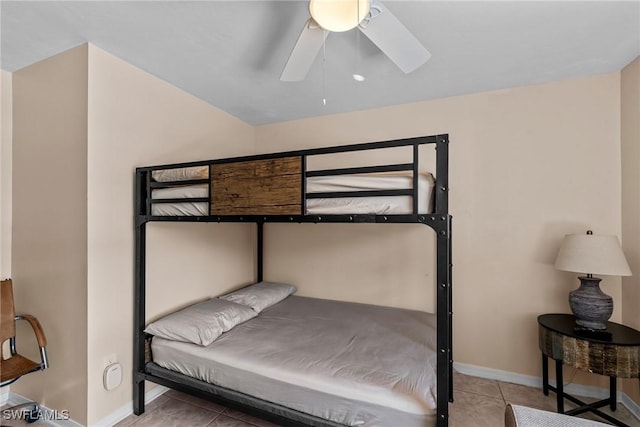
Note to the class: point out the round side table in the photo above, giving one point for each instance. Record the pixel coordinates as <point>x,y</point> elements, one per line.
<point>616,355</point>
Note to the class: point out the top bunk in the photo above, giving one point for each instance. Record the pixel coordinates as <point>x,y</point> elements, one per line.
<point>280,187</point>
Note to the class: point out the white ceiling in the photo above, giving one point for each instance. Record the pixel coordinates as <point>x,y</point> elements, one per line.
<point>231,53</point>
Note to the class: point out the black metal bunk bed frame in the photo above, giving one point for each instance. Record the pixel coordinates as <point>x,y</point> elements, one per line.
<point>439,220</point>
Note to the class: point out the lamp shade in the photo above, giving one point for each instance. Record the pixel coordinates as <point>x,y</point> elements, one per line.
<point>339,15</point>
<point>592,254</point>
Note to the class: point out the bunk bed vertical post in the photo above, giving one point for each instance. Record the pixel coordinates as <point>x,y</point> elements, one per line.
<point>450,311</point>
<point>415,177</point>
<point>139,295</point>
<point>145,202</point>
<point>444,367</point>
<point>444,329</point>
<point>303,196</point>
<point>442,174</point>
<point>260,252</point>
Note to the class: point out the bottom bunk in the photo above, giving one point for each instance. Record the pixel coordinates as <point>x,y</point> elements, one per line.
<point>315,362</point>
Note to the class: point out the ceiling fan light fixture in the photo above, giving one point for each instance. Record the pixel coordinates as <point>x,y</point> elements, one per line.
<point>339,15</point>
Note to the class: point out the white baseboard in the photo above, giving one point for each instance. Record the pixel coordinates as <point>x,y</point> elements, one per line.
<point>631,405</point>
<point>575,389</point>
<point>127,409</point>
<point>495,374</point>
<point>16,399</point>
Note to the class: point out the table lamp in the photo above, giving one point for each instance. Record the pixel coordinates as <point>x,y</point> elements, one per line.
<point>591,254</point>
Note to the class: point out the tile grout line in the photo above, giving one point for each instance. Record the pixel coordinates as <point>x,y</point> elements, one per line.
<point>501,393</point>
<point>195,405</point>
<point>481,394</point>
<point>223,412</point>
<point>198,407</point>
<point>462,389</point>
<point>214,419</point>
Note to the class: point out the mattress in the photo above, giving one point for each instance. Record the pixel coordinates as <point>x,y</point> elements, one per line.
<point>380,205</point>
<point>354,364</point>
<point>181,174</point>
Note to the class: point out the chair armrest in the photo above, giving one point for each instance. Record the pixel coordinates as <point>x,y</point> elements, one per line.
<point>37,328</point>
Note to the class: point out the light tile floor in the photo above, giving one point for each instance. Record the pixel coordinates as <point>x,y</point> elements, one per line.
<point>478,403</point>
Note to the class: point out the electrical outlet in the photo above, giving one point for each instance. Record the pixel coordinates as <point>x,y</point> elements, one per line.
<point>109,360</point>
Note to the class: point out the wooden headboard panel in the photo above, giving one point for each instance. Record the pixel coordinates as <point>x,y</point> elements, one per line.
<point>257,187</point>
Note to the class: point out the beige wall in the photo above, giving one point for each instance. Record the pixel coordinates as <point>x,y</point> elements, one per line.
<point>49,247</point>
<point>630,129</point>
<point>83,121</point>
<point>136,119</point>
<point>6,130</point>
<point>527,165</point>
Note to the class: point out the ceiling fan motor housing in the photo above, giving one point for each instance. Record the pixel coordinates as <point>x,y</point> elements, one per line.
<point>339,15</point>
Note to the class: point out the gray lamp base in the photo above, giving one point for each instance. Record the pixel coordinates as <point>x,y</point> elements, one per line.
<point>590,305</point>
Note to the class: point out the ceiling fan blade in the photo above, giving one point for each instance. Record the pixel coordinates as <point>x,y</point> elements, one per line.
<point>394,39</point>
<point>304,52</point>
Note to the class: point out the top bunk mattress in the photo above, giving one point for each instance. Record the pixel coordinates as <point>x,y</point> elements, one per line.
<point>355,364</point>
<point>378,205</point>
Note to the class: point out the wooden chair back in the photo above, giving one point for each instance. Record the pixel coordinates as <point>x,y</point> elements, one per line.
<point>7,311</point>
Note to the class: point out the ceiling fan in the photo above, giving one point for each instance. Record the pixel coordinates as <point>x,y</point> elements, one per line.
<point>372,18</point>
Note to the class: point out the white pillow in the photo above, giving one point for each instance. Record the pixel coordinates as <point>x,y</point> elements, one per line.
<point>201,323</point>
<point>261,295</point>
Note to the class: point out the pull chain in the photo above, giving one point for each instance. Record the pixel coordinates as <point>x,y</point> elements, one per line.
<point>324,71</point>
<point>357,76</point>
<point>357,73</point>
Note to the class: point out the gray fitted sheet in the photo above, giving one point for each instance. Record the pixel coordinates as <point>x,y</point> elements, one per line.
<point>355,364</point>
